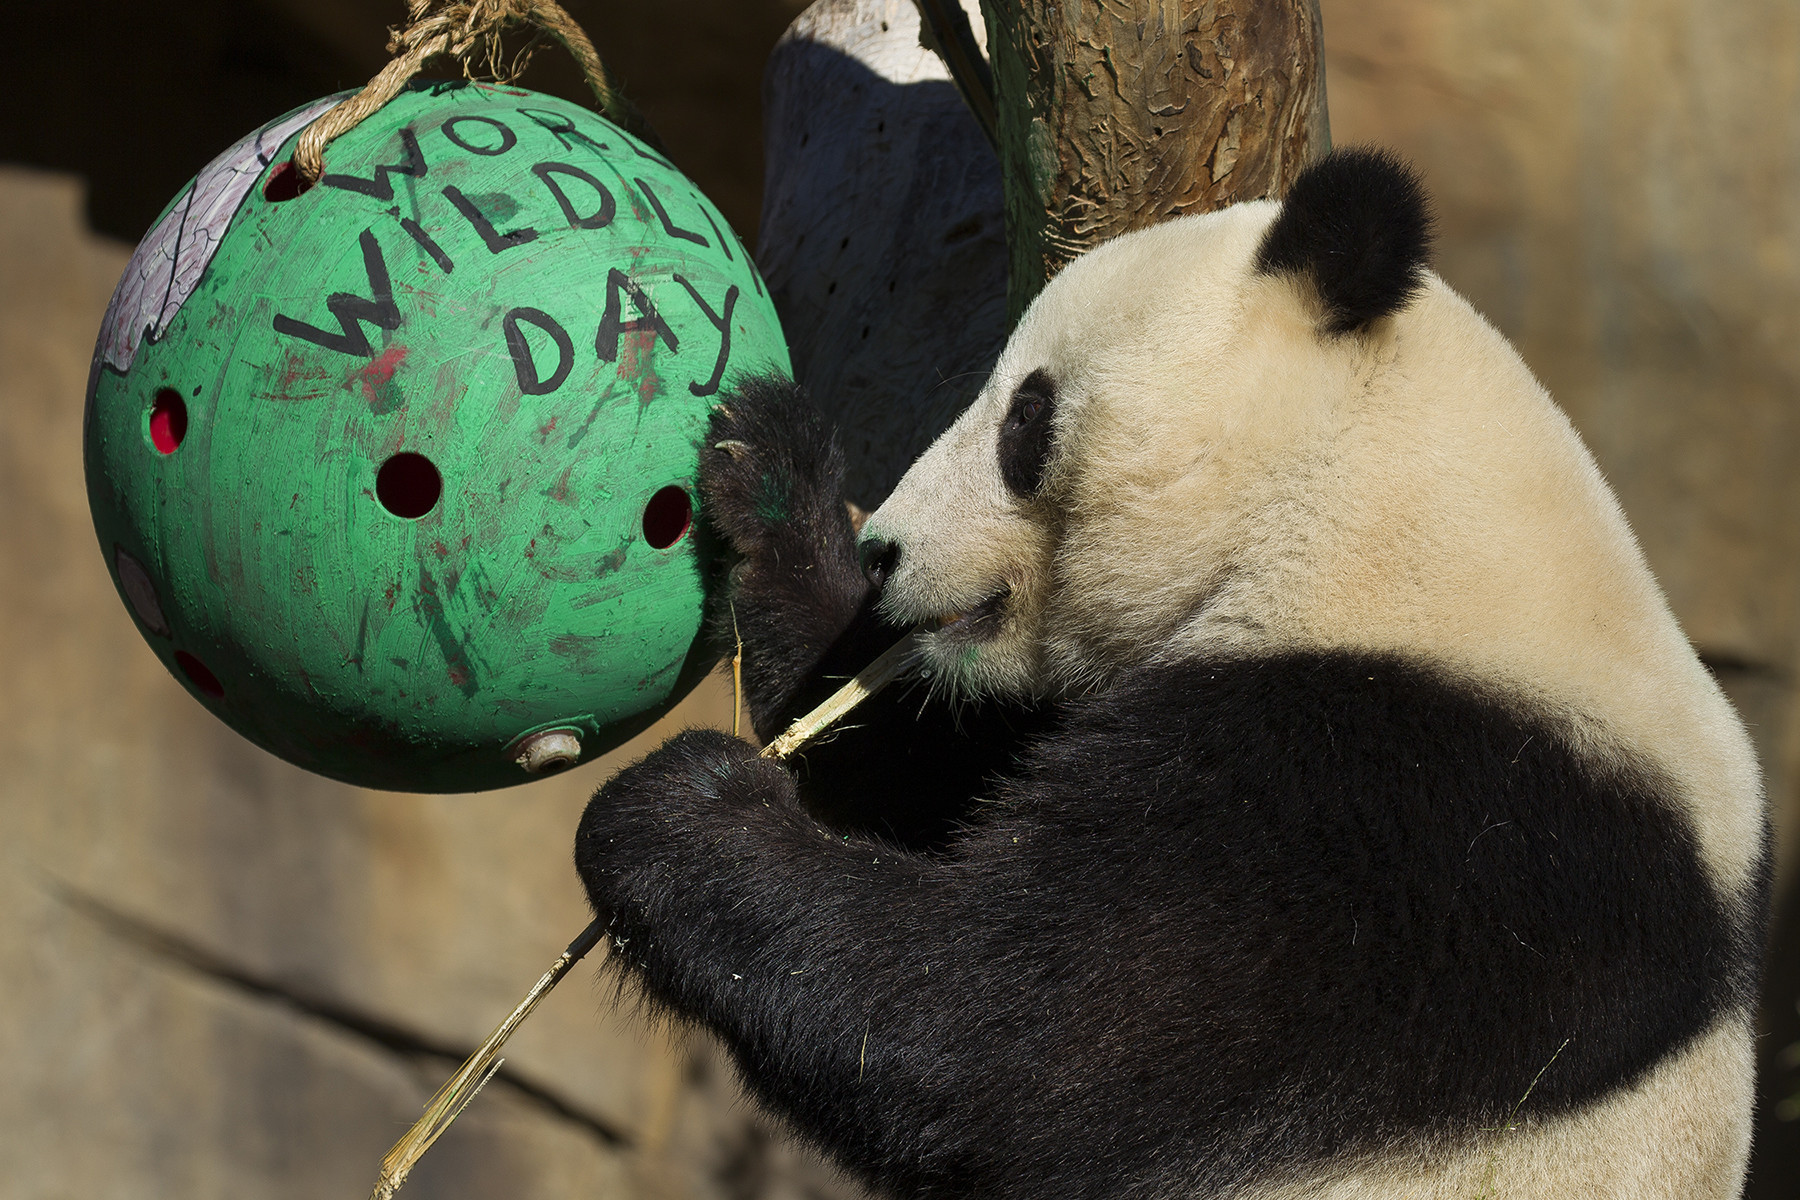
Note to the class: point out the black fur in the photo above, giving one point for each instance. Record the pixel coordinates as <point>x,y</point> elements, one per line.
<point>1225,918</point>
<point>1358,225</point>
<point>771,490</point>
<point>1027,435</point>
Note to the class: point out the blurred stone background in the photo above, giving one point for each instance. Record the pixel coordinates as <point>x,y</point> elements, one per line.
<point>220,976</point>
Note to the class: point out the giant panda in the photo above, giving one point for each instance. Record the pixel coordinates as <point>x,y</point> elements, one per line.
<point>1306,791</point>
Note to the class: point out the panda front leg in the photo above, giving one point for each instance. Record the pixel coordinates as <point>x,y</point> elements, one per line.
<point>906,768</point>
<point>796,599</point>
<point>806,951</point>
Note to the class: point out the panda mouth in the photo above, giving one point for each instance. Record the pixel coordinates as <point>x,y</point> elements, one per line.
<point>980,622</point>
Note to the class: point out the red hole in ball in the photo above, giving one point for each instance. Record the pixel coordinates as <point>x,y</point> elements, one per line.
<point>168,420</point>
<point>284,182</point>
<point>408,485</point>
<point>199,675</point>
<point>667,516</point>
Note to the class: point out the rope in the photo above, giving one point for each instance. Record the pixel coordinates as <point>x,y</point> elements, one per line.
<point>468,31</point>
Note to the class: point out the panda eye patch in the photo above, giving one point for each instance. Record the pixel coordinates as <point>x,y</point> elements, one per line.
<point>1027,435</point>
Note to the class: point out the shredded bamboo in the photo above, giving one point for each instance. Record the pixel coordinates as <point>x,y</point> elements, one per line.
<point>473,1075</point>
<point>895,662</point>
<point>468,31</point>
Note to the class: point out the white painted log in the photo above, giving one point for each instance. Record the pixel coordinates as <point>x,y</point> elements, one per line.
<point>882,238</point>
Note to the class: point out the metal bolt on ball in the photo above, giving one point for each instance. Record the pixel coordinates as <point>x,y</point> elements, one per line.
<point>548,752</point>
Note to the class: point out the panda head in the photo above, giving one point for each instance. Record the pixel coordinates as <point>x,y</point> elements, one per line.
<point>1123,469</point>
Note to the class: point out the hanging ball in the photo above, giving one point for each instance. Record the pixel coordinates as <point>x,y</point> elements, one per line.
<point>395,472</point>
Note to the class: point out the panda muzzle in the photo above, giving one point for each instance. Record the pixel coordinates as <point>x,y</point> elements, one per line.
<point>983,620</point>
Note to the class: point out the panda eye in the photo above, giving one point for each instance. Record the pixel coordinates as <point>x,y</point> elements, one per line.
<point>1027,435</point>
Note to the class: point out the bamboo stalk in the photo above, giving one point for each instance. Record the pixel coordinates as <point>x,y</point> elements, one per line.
<point>472,1076</point>
<point>893,663</point>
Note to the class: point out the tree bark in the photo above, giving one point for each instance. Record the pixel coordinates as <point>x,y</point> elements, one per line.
<point>1115,114</point>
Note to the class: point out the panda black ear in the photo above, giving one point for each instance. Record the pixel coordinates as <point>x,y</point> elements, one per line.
<point>1358,225</point>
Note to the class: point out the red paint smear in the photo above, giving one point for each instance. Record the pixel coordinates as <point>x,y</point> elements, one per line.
<point>380,372</point>
<point>531,550</point>
<point>544,431</point>
<point>296,371</point>
<point>637,365</point>
<point>560,493</point>
<point>441,550</point>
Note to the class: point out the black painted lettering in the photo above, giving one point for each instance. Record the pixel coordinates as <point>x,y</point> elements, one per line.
<point>724,242</point>
<point>720,322</point>
<point>562,128</point>
<point>612,327</point>
<point>662,214</point>
<point>755,275</point>
<point>600,218</point>
<point>495,240</point>
<point>350,310</point>
<point>428,244</point>
<point>531,382</point>
<point>380,185</point>
<point>508,139</point>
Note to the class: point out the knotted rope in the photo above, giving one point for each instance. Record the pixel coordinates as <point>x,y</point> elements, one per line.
<point>469,31</point>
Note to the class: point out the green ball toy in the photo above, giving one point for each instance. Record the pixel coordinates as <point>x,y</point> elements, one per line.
<point>396,472</point>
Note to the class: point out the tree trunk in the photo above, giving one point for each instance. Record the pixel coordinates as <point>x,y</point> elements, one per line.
<point>1116,114</point>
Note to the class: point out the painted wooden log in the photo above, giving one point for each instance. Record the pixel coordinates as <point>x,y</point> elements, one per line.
<point>882,239</point>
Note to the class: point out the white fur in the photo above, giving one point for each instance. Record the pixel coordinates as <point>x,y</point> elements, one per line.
<point>1676,1135</point>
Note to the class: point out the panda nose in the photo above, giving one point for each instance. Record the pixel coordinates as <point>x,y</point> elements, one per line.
<point>880,559</point>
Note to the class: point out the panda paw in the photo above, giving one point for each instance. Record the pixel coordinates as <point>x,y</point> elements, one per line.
<point>771,474</point>
<point>659,833</point>
<point>771,488</point>
<point>693,774</point>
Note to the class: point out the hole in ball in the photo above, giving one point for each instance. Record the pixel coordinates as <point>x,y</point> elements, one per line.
<point>667,517</point>
<point>199,675</point>
<point>284,182</point>
<point>408,485</point>
<point>168,420</point>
